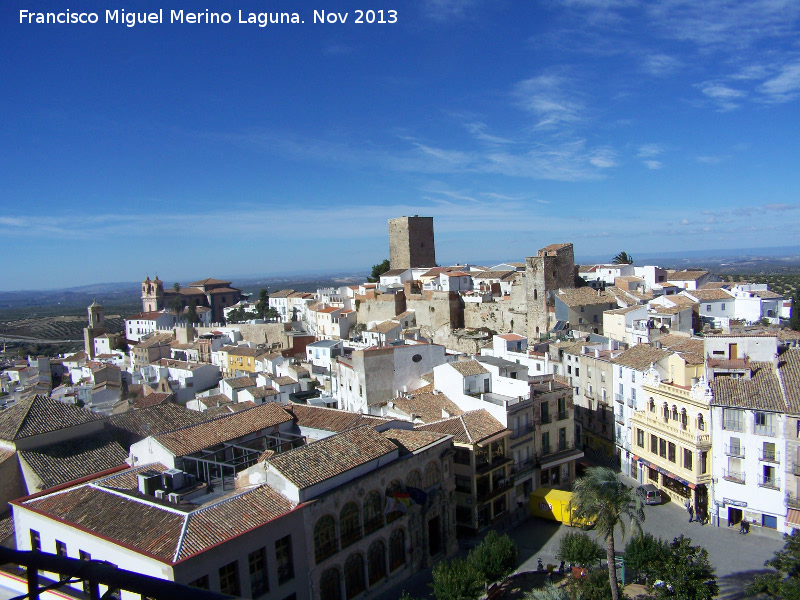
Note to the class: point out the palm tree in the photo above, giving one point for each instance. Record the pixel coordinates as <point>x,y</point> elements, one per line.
<point>601,496</point>
<point>623,258</point>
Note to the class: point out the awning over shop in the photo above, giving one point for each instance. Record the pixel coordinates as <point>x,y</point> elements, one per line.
<point>793,518</point>
<point>663,471</point>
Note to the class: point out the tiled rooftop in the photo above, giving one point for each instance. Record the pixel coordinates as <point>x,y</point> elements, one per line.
<point>640,357</point>
<point>470,428</point>
<point>330,419</point>
<point>40,414</point>
<point>585,296</point>
<point>468,367</point>
<point>410,441</point>
<point>70,460</point>
<point>222,429</point>
<point>331,456</point>
<point>762,390</point>
<point>427,406</point>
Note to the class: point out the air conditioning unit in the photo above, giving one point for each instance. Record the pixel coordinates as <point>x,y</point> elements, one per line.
<point>159,494</point>
<point>174,498</point>
<point>149,482</point>
<point>173,479</point>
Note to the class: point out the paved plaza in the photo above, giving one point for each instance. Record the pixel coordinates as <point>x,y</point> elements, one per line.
<point>736,558</point>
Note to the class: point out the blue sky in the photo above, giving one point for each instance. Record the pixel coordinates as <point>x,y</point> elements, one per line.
<point>224,150</point>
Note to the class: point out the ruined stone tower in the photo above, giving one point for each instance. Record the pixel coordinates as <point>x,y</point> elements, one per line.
<point>552,268</point>
<point>411,242</point>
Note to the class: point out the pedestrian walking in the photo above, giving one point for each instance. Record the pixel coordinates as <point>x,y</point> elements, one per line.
<point>743,527</point>
<point>690,510</point>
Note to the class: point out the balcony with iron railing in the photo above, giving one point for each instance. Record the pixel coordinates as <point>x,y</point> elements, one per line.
<point>773,456</point>
<point>562,415</point>
<point>482,467</point>
<point>792,501</point>
<point>796,468</point>
<point>545,419</point>
<point>737,451</point>
<point>658,424</point>
<point>523,467</point>
<point>773,483</point>
<point>734,476</point>
<point>619,418</point>
<point>520,431</point>
<point>618,398</point>
<point>630,402</point>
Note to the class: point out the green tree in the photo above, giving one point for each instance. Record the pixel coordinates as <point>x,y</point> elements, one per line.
<point>176,286</point>
<point>644,554</point>
<point>406,596</point>
<point>687,572</point>
<point>456,580</point>
<point>578,548</point>
<point>595,586</point>
<point>495,557</point>
<point>272,314</point>
<point>549,592</point>
<point>786,582</point>
<point>623,258</point>
<point>176,305</point>
<point>262,304</point>
<point>378,270</point>
<point>794,318</point>
<point>601,496</point>
<point>236,315</point>
<point>191,314</point>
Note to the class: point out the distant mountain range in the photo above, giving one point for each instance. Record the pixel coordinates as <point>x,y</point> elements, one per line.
<point>753,260</point>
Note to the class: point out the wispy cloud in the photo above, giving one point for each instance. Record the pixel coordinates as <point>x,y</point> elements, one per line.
<point>660,65</point>
<point>548,98</point>
<point>653,165</point>
<point>784,86</point>
<point>722,95</point>
<point>711,160</point>
<point>648,150</point>
<point>479,131</point>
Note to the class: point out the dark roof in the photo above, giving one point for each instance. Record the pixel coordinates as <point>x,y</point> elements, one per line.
<point>409,440</point>
<point>67,461</point>
<point>789,373</point>
<point>132,426</point>
<point>207,281</point>
<point>40,414</point>
<point>331,456</point>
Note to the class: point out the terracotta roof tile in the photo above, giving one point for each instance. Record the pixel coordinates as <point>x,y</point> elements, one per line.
<point>331,456</point>
<point>410,441</point>
<point>330,419</point>
<point>762,390</point>
<point>708,295</point>
<point>468,367</point>
<point>470,428</point>
<point>427,406</point>
<point>585,296</point>
<point>72,459</point>
<point>40,414</point>
<point>640,357</point>
<point>223,429</point>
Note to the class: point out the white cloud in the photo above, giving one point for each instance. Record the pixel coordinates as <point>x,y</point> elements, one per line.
<point>784,86</point>
<point>660,65</point>
<point>653,164</point>
<point>546,98</point>
<point>648,150</point>
<point>710,160</point>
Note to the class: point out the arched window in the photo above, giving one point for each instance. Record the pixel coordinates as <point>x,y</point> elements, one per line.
<point>324,538</point>
<point>700,423</point>
<point>535,295</point>
<point>684,419</point>
<point>652,405</point>
<point>330,585</point>
<point>666,412</point>
<point>674,413</point>
<point>397,549</point>
<point>414,479</point>
<point>349,524</point>
<point>373,512</point>
<point>394,486</point>
<point>432,476</point>
<point>376,562</point>
<point>354,582</point>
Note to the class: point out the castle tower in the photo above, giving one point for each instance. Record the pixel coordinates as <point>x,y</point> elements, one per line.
<point>97,327</point>
<point>552,268</point>
<point>411,242</point>
<point>152,295</point>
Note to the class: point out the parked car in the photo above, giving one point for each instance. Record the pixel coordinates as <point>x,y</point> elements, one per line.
<point>649,493</point>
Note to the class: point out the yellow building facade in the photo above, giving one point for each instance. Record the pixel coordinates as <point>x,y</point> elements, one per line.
<point>672,438</point>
